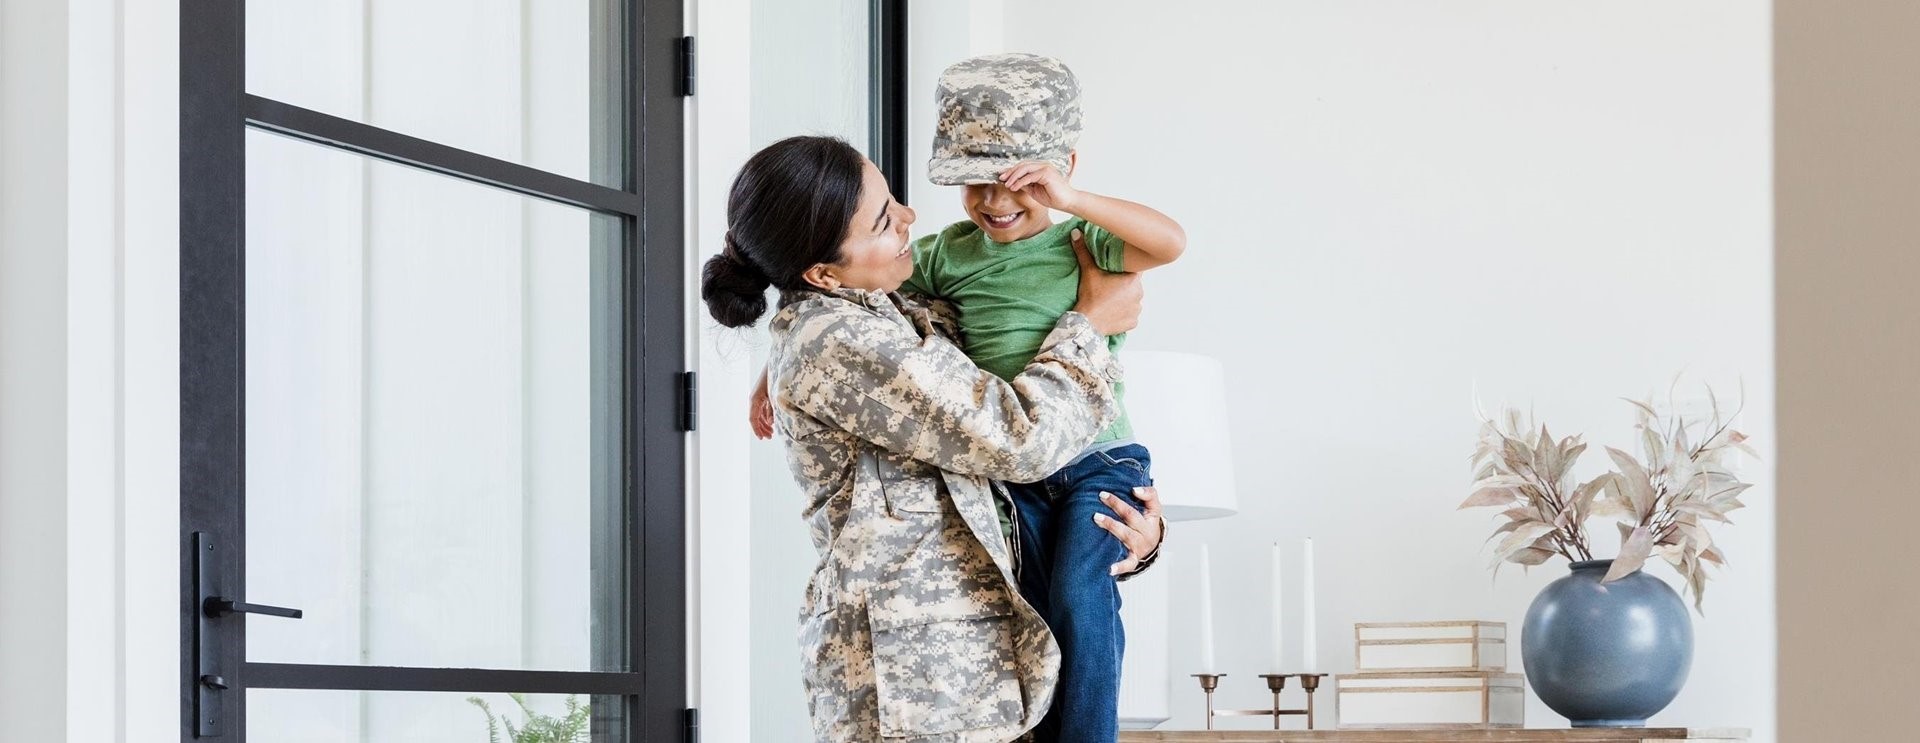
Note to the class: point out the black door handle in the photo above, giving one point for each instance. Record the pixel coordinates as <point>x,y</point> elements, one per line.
<point>216,606</point>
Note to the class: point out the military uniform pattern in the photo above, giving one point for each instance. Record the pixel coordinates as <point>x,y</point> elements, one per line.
<point>997,110</point>
<point>912,628</point>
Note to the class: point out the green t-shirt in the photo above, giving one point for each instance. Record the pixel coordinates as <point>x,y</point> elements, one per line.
<point>1011,295</point>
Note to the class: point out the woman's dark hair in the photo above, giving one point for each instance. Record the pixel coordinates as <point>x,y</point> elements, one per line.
<point>788,210</point>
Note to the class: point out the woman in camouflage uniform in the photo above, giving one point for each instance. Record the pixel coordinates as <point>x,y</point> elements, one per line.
<point>912,628</point>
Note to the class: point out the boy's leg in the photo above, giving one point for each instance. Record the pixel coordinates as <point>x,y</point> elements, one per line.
<point>1083,602</point>
<point>1033,508</point>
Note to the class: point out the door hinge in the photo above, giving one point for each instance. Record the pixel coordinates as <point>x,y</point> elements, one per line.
<point>686,65</point>
<point>692,720</point>
<point>689,397</point>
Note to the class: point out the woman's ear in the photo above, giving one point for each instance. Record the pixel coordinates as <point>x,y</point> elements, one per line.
<point>1073,162</point>
<point>821,277</point>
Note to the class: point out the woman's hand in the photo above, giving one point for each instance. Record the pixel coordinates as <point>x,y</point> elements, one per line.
<point>1140,531</point>
<point>760,410</point>
<point>1110,300</point>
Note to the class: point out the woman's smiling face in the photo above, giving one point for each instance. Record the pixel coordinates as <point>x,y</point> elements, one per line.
<point>876,253</point>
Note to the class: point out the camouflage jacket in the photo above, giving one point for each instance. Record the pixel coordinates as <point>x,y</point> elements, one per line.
<point>912,627</point>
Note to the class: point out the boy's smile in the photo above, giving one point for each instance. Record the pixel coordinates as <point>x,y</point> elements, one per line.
<point>1006,216</point>
<point>999,221</point>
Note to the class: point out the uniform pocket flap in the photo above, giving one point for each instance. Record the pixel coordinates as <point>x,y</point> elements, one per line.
<point>820,591</point>
<point>912,496</point>
<point>946,675</point>
<point>909,486</point>
<point>983,597</point>
<point>799,426</point>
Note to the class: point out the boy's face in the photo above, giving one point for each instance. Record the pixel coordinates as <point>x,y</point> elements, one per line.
<point>1004,214</point>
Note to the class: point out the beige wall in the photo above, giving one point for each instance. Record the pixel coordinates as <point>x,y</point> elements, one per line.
<point>1848,261</point>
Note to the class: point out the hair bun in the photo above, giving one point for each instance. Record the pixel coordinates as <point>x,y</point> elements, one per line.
<point>735,291</point>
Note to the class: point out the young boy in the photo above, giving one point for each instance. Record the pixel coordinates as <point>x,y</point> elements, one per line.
<point>1007,128</point>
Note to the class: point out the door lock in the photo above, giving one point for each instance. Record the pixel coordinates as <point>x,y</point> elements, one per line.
<point>215,606</point>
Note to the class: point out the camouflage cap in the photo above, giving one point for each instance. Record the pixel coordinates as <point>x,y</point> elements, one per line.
<point>998,110</point>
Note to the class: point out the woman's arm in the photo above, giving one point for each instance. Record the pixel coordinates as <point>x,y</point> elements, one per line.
<point>927,400</point>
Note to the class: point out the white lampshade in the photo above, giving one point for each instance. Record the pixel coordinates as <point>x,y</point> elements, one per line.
<point>1178,404</point>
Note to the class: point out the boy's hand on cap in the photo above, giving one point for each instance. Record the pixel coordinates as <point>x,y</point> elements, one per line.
<point>1042,181</point>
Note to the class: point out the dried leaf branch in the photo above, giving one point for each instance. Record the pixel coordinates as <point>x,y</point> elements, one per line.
<point>1661,501</point>
<point>1682,484</point>
<point>1530,476</point>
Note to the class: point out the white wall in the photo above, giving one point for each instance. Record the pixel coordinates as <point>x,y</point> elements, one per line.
<point>33,365</point>
<point>809,77</point>
<point>720,549</point>
<point>1389,202</point>
<point>88,437</point>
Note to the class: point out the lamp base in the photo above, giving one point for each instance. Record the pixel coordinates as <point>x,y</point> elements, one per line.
<point>1142,723</point>
<point>1146,679</point>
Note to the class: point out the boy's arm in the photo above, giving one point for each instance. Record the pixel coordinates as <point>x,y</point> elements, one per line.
<point>1152,239</point>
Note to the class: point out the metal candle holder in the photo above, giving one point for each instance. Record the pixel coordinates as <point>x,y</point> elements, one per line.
<point>1275,683</point>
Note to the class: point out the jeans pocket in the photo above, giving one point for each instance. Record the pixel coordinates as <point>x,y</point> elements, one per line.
<point>1130,463</point>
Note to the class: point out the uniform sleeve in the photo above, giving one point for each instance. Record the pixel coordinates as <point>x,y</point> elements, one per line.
<point>941,316</point>
<point>922,282</point>
<point>1109,251</point>
<point>926,400</point>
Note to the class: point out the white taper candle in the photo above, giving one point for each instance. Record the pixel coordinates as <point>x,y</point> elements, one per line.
<point>1310,652</point>
<point>1277,664</point>
<point>1206,611</point>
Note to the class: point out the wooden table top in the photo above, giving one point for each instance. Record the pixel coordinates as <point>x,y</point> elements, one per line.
<point>1454,735</point>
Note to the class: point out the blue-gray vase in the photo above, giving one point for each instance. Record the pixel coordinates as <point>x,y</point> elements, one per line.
<point>1608,655</point>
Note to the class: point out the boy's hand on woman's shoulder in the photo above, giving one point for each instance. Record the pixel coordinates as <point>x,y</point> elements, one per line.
<point>1044,183</point>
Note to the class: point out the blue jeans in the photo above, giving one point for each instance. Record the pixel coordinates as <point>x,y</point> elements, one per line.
<point>1064,563</point>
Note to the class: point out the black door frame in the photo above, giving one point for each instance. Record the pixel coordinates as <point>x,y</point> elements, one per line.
<point>887,92</point>
<point>215,112</point>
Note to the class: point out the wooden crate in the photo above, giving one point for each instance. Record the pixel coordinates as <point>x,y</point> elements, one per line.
<point>1449,699</point>
<point>1395,647</point>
